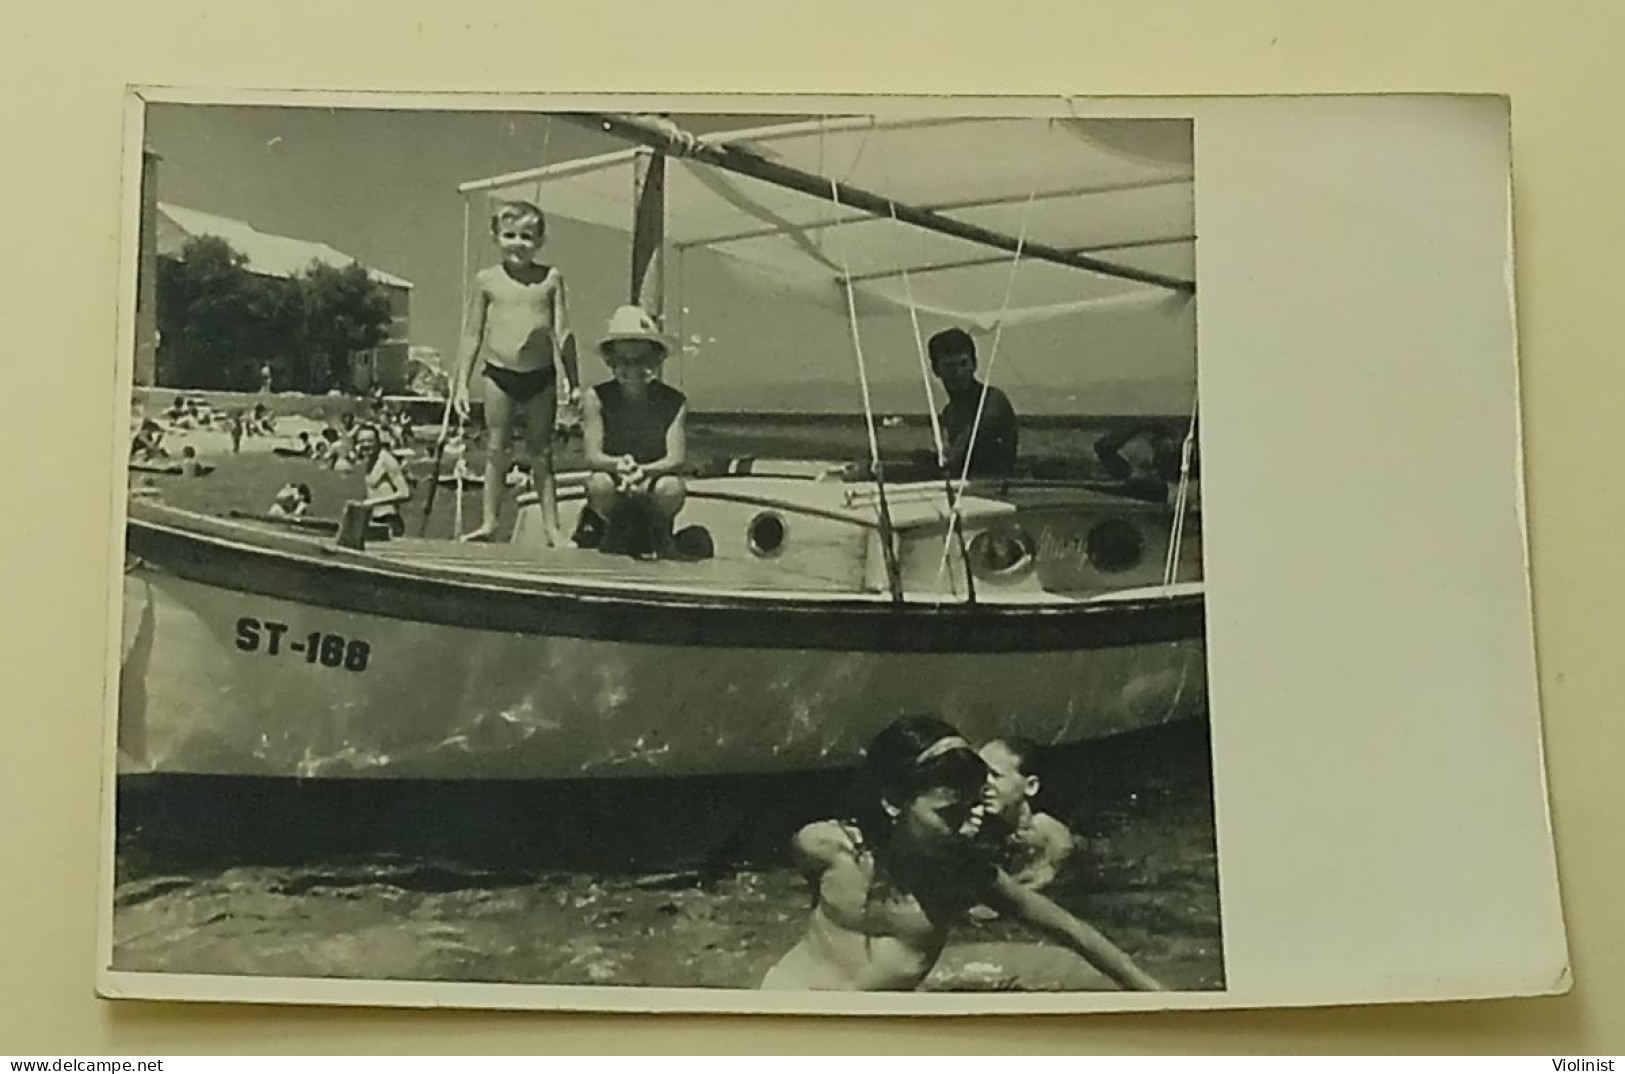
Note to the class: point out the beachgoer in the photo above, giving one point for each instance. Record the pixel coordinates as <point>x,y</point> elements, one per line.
<point>953,360</point>
<point>237,431</point>
<point>265,379</point>
<point>633,435</point>
<point>517,477</point>
<point>1035,845</point>
<point>292,501</point>
<point>387,486</point>
<point>1149,460</point>
<point>888,885</point>
<point>191,465</point>
<point>518,322</point>
<point>148,442</point>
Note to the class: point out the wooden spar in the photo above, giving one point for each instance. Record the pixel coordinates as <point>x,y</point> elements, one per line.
<point>661,135</point>
<point>648,287</point>
<point>973,262</point>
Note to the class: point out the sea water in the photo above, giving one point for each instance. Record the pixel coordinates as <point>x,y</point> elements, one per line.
<point>473,904</point>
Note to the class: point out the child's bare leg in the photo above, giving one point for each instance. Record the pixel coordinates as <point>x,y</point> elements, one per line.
<point>499,421</point>
<point>668,494</point>
<point>541,412</point>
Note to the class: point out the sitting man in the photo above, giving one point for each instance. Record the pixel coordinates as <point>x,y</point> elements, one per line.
<point>993,453</point>
<point>634,440</point>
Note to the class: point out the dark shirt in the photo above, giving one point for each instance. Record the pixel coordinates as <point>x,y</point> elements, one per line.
<point>996,437</point>
<point>638,427</point>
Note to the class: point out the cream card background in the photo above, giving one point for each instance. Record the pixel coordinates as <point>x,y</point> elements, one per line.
<point>62,134</point>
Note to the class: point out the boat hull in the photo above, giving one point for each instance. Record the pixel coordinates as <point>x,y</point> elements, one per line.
<point>225,672</point>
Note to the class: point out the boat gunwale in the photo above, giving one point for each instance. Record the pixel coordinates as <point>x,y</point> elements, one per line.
<point>300,569</point>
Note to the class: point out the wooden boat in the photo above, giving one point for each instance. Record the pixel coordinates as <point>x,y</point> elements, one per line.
<point>815,605</point>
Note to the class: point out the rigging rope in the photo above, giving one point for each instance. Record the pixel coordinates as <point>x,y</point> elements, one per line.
<point>1176,537</point>
<point>888,549</point>
<point>451,394</point>
<point>987,380</point>
<point>936,435</point>
<point>925,362</point>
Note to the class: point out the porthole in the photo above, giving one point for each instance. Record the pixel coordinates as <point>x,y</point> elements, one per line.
<point>1114,546</point>
<point>766,534</point>
<point>1003,554</point>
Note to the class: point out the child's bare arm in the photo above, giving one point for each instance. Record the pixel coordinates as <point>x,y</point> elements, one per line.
<point>815,846</point>
<point>1045,916</point>
<point>468,347</point>
<point>592,435</point>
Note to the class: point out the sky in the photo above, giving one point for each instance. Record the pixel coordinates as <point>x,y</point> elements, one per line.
<point>381,186</point>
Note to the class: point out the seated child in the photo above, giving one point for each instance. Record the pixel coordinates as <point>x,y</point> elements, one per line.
<point>264,422</point>
<point>182,413</point>
<point>634,441</point>
<point>191,465</point>
<point>888,885</point>
<point>1035,845</point>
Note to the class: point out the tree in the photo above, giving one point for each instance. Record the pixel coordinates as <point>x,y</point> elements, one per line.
<point>203,303</point>
<point>344,312</point>
<point>219,323</point>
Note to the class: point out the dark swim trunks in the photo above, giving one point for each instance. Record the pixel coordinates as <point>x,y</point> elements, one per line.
<point>521,385</point>
<point>391,519</point>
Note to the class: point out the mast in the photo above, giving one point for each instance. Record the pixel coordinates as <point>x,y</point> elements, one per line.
<point>663,136</point>
<point>648,281</point>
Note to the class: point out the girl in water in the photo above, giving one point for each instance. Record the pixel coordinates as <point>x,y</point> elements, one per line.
<point>889,885</point>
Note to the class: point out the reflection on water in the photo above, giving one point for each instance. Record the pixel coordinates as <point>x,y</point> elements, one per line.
<point>1146,875</point>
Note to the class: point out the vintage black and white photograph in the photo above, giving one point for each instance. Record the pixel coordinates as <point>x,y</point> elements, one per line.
<point>668,547</point>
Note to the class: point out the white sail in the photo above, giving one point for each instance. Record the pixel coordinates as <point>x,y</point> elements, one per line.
<point>1121,193</point>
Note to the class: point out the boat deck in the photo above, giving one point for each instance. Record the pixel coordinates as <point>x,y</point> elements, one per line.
<point>586,565</point>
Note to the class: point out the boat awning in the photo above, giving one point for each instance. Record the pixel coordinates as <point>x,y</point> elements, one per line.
<point>1119,191</point>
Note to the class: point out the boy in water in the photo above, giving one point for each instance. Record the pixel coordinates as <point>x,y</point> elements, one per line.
<point>1036,845</point>
<point>889,885</point>
<point>517,321</point>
